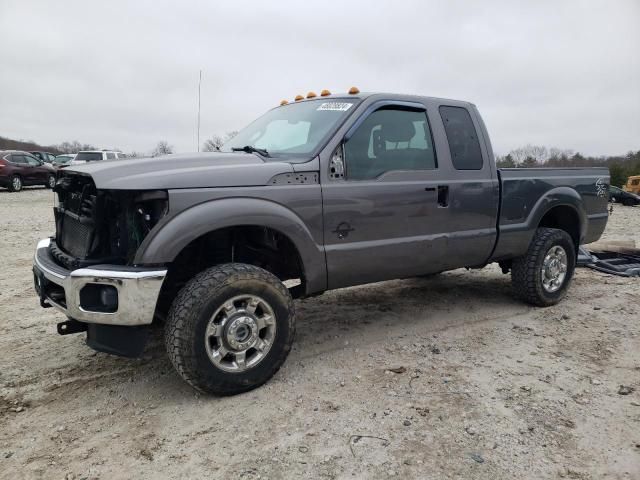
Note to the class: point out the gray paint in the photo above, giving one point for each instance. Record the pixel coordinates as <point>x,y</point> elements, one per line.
<point>354,232</point>
<point>195,170</point>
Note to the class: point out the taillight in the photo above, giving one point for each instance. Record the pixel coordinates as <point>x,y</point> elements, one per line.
<point>3,163</point>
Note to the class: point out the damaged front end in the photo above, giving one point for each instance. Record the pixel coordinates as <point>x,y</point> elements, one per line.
<point>101,226</point>
<point>87,271</point>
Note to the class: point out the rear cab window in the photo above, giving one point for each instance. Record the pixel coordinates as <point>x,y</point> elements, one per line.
<point>462,138</point>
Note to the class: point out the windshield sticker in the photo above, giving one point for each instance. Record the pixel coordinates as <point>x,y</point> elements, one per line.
<point>335,106</point>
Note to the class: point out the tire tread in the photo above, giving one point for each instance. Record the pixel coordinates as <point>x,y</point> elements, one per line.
<point>524,277</point>
<point>180,326</point>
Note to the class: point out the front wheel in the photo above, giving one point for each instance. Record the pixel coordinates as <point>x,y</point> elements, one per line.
<point>51,181</point>
<point>542,276</point>
<point>230,329</point>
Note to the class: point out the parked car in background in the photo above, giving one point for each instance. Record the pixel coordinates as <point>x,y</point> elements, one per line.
<point>633,185</point>
<point>46,157</point>
<point>95,155</point>
<point>64,160</point>
<point>19,169</point>
<point>617,195</point>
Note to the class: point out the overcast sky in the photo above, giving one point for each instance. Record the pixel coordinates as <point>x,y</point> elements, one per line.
<point>114,74</point>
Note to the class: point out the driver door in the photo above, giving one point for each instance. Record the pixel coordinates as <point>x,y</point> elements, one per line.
<point>386,219</point>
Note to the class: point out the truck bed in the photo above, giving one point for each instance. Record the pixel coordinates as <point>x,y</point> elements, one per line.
<point>527,195</point>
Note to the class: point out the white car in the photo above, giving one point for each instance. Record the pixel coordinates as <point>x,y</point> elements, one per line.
<point>95,155</point>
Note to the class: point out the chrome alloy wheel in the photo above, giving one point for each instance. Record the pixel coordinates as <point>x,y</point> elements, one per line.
<point>51,181</point>
<point>16,183</point>
<point>240,333</point>
<point>554,269</point>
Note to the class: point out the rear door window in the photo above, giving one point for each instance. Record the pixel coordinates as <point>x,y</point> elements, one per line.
<point>462,137</point>
<point>17,158</point>
<point>111,156</point>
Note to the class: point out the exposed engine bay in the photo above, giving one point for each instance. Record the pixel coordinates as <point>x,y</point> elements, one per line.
<point>101,226</point>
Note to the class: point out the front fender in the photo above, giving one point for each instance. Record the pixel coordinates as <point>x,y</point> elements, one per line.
<point>164,244</point>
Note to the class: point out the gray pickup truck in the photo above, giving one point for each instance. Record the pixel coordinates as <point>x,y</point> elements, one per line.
<point>321,193</point>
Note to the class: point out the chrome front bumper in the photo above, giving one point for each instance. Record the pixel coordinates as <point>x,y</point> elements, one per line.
<point>137,288</point>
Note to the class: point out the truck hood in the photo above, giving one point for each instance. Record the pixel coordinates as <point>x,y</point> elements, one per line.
<point>193,170</point>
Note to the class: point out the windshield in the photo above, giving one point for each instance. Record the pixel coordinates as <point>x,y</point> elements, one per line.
<point>89,156</point>
<point>63,159</point>
<point>296,129</point>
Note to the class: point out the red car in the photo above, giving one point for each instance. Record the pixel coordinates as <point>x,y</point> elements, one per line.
<point>19,169</point>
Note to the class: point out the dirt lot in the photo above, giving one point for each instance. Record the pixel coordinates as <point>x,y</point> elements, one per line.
<point>486,387</point>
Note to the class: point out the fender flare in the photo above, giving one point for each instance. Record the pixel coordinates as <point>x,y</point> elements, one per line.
<point>514,239</point>
<point>164,244</point>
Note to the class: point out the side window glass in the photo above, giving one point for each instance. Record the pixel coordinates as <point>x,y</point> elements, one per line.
<point>19,159</point>
<point>389,139</point>
<point>32,161</point>
<point>111,156</point>
<point>462,137</point>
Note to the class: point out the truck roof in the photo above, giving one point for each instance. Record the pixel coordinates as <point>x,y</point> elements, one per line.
<point>385,95</point>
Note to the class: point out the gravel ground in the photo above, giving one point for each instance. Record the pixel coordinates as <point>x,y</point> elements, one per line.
<point>440,377</point>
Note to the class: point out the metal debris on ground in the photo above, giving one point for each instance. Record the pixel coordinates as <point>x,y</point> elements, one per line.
<point>615,258</point>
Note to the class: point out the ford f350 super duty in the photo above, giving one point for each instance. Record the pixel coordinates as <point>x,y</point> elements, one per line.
<point>325,192</point>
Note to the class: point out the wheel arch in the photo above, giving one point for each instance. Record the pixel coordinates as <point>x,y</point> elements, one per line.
<point>164,245</point>
<point>552,210</point>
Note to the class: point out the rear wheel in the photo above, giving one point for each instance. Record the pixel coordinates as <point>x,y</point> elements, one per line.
<point>542,276</point>
<point>230,329</point>
<point>16,183</point>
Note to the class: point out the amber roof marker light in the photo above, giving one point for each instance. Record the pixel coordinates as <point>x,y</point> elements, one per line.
<point>311,95</point>
<point>325,93</point>
<point>354,90</point>
<point>284,102</point>
<point>298,98</point>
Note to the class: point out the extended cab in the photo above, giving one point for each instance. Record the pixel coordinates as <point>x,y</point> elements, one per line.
<point>322,193</point>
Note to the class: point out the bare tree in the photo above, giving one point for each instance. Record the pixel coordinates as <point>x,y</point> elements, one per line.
<point>162,148</point>
<point>74,147</point>
<point>525,154</point>
<point>214,144</point>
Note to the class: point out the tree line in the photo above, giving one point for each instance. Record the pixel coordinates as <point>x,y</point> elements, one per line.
<point>529,156</point>
<point>212,144</point>
<point>621,167</point>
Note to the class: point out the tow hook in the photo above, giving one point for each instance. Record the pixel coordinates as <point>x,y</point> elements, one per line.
<point>71,326</point>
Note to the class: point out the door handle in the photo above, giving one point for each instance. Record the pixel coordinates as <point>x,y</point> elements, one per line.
<point>443,196</point>
<point>430,189</point>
